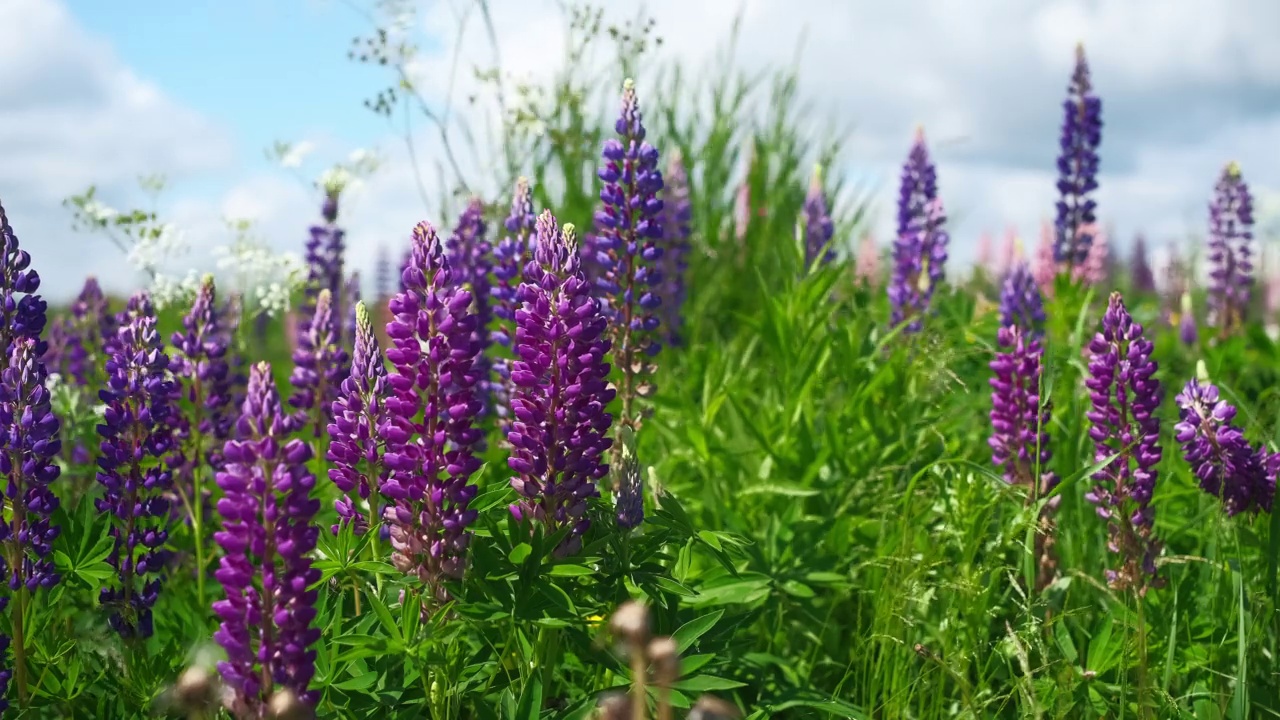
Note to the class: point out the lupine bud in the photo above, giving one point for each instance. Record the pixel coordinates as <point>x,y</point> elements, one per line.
<point>629,250</point>
<point>1142,277</point>
<point>1228,467</point>
<point>1125,395</point>
<point>818,227</point>
<point>920,252</point>
<point>1230,251</point>
<point>139,440</point>
<point>266,537</point>
<point>1078,168</point>
<point>1021,303</point>
<point>430,430</point>
<point>356,444</point>
<point>677,213</point>
<point>319,367</point>
<point>559,435</point>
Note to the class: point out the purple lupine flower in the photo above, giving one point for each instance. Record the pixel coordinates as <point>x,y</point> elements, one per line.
<point>818,228</point>
<point>266,537</point>
<point>1125,396</point>
<point>135,466</point>
<point>231,315</point>
<point>1020,301</point>
<point>1078,168</point>
<point>324,260</point>
<point>59,339</point>
<point>677,214</point>
<point>629,509</point>
<point>350,298</point>
<point>356,442</point>
<point>1230,251</point>
<point>510,255</point>
<point>23,316</point>
<point>200,366</point>
<point>430,430</point>
<point>629,250</point>
<point>1020,422</point>
<point>92,324</point>
<point>1188,331</point>
<point>319,366</point>
<point>1228,467</point>
<point>920,252</point>
<point>471,261</point>
<point>560,433</point>
<point>1143,277</point>
<point>382,275</point>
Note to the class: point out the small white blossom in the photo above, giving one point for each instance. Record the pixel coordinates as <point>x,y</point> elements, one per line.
<point>296,153</point>
<point>99,211</point>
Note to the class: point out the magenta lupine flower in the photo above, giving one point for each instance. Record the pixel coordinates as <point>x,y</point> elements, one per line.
<point>1078,167</point>
<point>818,227</point>
<point>430,431</point>
<point>1230,250</point>
<point>1141,275</point>
<point>920,252</point>
<point>139,441</point>
<point>560,433</point>
<point>677,215</point>
<point>1228,467</point>
<point>867,264</point>
<point>1125,396</point>
<point>1020,422</point>
<point>266,537</point>
<point>356,443</point>
<point>1021,303</point>
<point>471,261</point>
<point>319,367</point>
<point>629,251</point>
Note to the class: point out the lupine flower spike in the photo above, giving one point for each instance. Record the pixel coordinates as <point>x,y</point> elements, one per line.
<point>1142,276</point>
<point>470,257</point>
<point>266,538</point>
<point>1230,251</point>
<point>350,298</point>
<point>319,368</point>
<point>677,213</point>
<point>560,432</point>
<point>200,366</point>
<point>920,251</point>
<point>510,256</point>
<point>1228,467</point>
<point>430,430</point>
<point>139,439</point>
<point>1021,303</point>
<point>1078,168</point>
<point>357,444</point>
<point>324,259</point>
<point>817,228</point>
<point>92,325</point>
<point>1125,396</point>
<point>628,246</point>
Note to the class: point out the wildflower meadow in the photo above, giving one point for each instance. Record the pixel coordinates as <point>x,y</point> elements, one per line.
<point>658,431</point>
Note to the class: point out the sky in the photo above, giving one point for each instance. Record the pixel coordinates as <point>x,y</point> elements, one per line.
<point>100,93</point>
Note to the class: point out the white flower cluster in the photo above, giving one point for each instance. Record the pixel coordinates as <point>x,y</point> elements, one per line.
<point>267,280</point>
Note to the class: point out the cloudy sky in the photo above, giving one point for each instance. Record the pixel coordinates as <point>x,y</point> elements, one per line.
<point>99,93</point>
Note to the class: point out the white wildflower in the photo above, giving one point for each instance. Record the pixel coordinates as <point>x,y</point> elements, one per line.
<point>335,179</point>
<point>99,211</point>
<point>293,156</point>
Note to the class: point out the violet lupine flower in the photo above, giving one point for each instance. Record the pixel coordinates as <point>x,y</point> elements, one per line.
<point>1142,276</point>
<point>1021,303</point>
<point>265,570</point>
<point>1230,254</point>
<point>91,326</point>
<point>471,261</point>
<point>1228,467</point>
<point>382,275</point>
<point>200,366</point>
<point>1077,167</point>
<point>677,215</point>
<point>629,510</point>
<point>1020,423</point>
<point>350,298</point>
<point>818,227</point>
<point>59,338</point>
<point>628,249</point>
<point>560,433</point>
<point>237,366</point>
<point>920,252</point>
<point>319,366</point>
<point>23,316</point>
<point>135,466</point>
<point>510,255</point>
<point>430,430</point>
<point>356,442</point>
<point>324,251</point>
<point>1125,396</point>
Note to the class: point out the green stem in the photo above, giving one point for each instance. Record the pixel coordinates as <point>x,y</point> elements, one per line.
<point>1143,708</point>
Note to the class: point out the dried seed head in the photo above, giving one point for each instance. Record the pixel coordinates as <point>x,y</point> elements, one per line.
<point>285,705</point>
<point>614,706</point>
<point>196,689</point>
<point>710,707</point>
<point>631,622</point>
<point>665,659</point>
